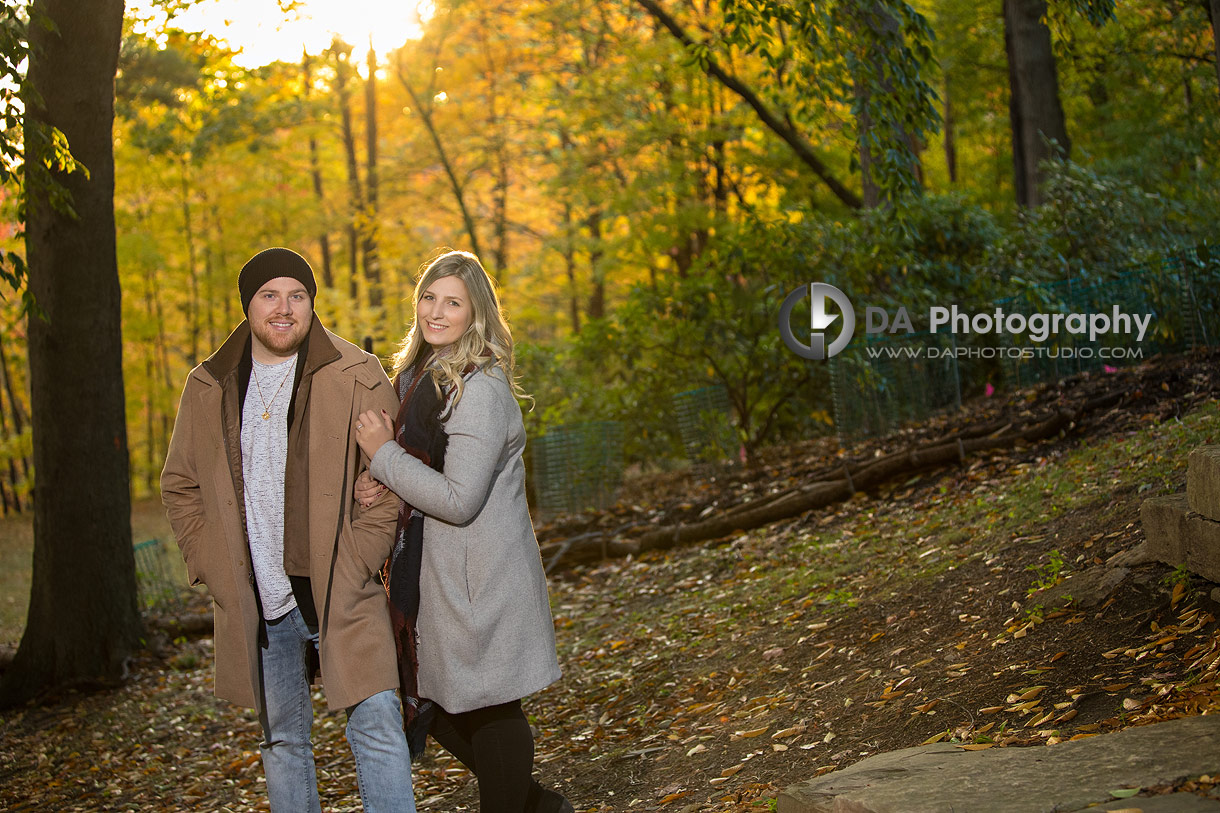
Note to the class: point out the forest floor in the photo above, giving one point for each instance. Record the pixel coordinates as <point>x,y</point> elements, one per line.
<point>709,678</point>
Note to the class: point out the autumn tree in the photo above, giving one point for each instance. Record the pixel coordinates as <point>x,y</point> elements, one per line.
<point>83,622</point>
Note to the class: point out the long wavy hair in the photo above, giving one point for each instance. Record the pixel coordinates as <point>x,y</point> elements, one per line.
<point>487,342</point>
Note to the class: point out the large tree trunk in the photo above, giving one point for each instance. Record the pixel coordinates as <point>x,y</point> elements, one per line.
<point>83,621</point>
<point>1034,109</point>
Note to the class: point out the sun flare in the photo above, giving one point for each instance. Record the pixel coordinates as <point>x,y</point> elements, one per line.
<point>264,33</point>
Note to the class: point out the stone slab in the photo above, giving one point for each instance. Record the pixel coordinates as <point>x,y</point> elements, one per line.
<point>1162,518</point>
<point>1170,803</point>
<point>1087,589</point>
<point>1063,778</point>
<point>1203,481</point>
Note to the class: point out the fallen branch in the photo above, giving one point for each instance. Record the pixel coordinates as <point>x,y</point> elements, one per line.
<point>188,625</point>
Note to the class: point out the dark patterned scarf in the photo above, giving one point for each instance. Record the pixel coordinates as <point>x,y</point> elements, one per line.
<point>418,430</point>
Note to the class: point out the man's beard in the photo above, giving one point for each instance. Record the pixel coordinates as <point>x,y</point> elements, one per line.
<point>281,343</point>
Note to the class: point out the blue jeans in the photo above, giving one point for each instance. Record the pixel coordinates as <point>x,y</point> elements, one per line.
<point>374,731</point>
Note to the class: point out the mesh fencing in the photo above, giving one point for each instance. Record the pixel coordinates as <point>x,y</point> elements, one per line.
<point>705,424</point>
<point>578,466</point>
<point>158,586</point>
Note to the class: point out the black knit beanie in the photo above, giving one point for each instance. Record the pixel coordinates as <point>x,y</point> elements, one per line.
<point>270,264</point>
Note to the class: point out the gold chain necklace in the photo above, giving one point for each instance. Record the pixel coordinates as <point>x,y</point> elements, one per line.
<point>259,386</point>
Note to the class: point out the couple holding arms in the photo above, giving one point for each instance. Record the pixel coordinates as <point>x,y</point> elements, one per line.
<point>268,489</point>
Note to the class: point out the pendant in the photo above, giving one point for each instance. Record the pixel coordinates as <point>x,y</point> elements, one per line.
<point>266,416</point>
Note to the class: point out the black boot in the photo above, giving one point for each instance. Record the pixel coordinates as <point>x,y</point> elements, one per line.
<point>542,800</point>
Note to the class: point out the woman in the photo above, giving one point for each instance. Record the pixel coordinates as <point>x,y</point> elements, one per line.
<point>467,590</point>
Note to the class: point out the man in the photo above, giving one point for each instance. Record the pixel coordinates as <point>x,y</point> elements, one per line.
<point>258,488</point>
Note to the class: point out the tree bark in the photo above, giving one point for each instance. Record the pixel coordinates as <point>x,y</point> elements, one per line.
<point>1034,109</point>
<point>83,621</point>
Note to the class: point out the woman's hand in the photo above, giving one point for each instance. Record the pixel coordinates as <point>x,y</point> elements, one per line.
<point>367,489</point>
<point>373,430</point>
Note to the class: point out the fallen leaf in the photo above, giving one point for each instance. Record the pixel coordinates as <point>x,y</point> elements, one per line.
<point>788,732</point>
<point>745,735</point>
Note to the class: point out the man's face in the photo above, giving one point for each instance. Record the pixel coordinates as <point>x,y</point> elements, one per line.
<point>280,314</point>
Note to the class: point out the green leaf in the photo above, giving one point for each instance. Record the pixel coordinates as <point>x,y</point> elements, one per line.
<point>1124,793</point>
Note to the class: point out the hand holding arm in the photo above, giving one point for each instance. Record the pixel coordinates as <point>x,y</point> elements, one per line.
<point>476,434</point>
<point>367,490</point>
<point>373,430</point>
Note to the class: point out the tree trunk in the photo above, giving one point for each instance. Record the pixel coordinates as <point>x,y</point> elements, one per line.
<point>1214,13</point>
<point>315,170</point>
<point>870,193</point>
<point>498,149</point>
<point>343,72</point>
<point>368,245</point>
<point>188,232</point>
<point>13,476</point>
<point>83,622</point>
<point>1034,109</point>
<point>597,299</point>
<point>20,417</point>
<point>950,136</point>
<point>569,263</point>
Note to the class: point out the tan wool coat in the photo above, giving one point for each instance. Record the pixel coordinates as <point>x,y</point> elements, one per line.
<point>201,487</point>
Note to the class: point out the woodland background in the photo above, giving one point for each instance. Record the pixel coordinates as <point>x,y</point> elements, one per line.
<point>646,180</point>
<point>642,219</point>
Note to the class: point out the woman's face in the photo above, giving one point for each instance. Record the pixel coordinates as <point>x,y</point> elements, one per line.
<point>443,312</point>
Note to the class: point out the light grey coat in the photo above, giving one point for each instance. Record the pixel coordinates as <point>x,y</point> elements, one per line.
<point>485,630</point>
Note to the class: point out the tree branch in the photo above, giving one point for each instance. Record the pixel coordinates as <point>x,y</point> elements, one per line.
<point>799,144</point>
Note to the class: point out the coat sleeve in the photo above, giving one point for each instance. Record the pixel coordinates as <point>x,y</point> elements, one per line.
<point>180,489</point>
<point>373,527</point>
<point>477,433</point>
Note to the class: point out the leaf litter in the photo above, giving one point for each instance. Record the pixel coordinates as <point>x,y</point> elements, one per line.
<point>709,679</point>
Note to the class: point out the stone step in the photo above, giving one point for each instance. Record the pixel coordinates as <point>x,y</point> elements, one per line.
<point>1203,481</point>
<point>1063,778</point>
<point>1178,536</point>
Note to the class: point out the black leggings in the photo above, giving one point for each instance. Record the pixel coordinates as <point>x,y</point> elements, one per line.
<point>497,745</point>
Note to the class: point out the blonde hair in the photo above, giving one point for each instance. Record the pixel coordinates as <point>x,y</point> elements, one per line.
<point>487,342</point>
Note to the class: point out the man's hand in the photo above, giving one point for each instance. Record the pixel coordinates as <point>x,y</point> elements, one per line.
<point>367,489</point>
